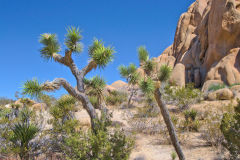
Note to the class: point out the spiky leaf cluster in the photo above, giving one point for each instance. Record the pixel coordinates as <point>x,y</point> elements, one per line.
<point>147,86</point>
<point>32,88</point>
<point>95,85</point>
<point>73,38</point>
<point>129,72</point>
<point>50,45</point>
<point>164,73</point>
<point>100,54</point>
<point>143,54</point>
<point>148,66</point>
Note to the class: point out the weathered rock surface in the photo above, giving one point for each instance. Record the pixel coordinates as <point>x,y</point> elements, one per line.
<point>209,83</point>
<point>178,75</point>
<point>207,42</point>
<point>221,94</point>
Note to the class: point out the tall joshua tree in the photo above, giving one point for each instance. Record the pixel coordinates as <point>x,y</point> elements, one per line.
<point>99,55</point>
<point>150,84</point>
<point>132,77</point>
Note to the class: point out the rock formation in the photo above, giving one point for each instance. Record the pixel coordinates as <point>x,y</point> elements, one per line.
<point>207,42</point>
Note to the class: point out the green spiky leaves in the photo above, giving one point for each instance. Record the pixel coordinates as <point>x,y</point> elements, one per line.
<point>147,86</point>
<point>100,54</point>
<point>73,38</point>
<point>164,73</point>
<point>32,88</point>
<point>129,72</point>
<point>50,45</point>
<point>143,54</point>
<point>95,85</point>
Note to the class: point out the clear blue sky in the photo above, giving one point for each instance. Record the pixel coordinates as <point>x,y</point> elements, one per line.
<point>124,24</point>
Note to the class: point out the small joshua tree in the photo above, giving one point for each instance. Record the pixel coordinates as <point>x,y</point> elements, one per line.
<point>150,85</point>
<point>99,55</point>
<point>132,77</point>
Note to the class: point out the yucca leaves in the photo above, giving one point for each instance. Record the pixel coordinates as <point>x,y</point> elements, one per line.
<point>143,54</point>
<point>73,38</point>
<point>164,73</point>
<point>100,54</point>
<point>32,88</point>
<point>129,72</point>
<point>95,85</point>
<point>147,86</point>
<point>50,45</point>
<point>149,66</point>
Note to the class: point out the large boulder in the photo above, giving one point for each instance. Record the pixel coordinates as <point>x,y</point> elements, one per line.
<point>178,75</point>
<point>207,41</point>
<point>227,69</point>
<point>209,83</point>
<point>221,94</point>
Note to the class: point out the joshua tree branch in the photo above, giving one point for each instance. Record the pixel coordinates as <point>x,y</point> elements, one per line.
<point>91,65</point>
<point>61,82</point>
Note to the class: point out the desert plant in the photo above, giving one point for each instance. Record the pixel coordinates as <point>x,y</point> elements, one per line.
<point>164,73</point>
<point>132,77</point>
<point>103,144</point>
<point>116,98</point>
<point>99,55</point>
<point>94,89</point>
<point>18,132</point>
<point>173,155</point>
<point>215,87</point>
<point>182,96</point>
<point>152,89</point>
<point>230,127</point>
<point>4,101</point>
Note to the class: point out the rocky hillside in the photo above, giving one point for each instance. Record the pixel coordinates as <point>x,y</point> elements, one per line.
<point>206,43</point>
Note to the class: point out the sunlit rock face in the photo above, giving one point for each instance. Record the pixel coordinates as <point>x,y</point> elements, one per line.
<point>207,42</point>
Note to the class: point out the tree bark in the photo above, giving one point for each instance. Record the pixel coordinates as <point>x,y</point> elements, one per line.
<point>169,124</point>
<point>82,97</point>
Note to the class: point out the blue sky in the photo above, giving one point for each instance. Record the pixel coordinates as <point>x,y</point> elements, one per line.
<point>124,24</point>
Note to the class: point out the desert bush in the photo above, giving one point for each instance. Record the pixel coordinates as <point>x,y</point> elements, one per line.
<point>192,114</point>
<point>182,96</point>
<point>230,127</point>
<point>4,101</point>
<point>173,155</point>
<point>17,133</point>
<point>235,84</point>
<point>100,144</point>
<point>116,98</point>
<point>215,87</point>
<point>146,112</point>
<point>212,134</point>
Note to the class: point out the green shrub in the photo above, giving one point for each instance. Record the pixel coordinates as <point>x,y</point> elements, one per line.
<point>182,96</point>
<point>101,144</point>
<point>173,155</point>
<point>215,87</point>
<point>16,133</point>
<point>116,97</point>
<point>191,123</point>
<point>235,84</point>
<point>4,101</point>
<point>145,112</point>
<point>230,127</point>
<point>192,114</point>
<point>94,101</point>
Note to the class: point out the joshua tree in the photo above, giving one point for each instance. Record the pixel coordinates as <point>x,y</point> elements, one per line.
<point>150,84</point>
<point>99,55</point>
<point>132,77</point>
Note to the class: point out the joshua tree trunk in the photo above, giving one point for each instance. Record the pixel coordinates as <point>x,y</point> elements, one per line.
<point>131,95</point>
<point>169,124</point>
